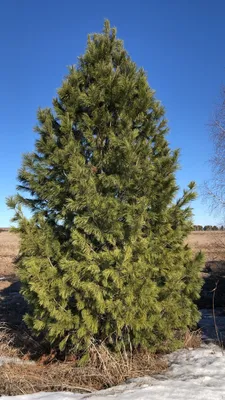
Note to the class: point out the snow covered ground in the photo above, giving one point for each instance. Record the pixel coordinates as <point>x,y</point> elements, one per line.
<point>193,375</point>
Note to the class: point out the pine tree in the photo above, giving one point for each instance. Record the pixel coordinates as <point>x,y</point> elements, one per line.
<point>103,256</point>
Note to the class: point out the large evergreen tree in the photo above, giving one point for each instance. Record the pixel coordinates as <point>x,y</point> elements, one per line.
<point>103,255</point>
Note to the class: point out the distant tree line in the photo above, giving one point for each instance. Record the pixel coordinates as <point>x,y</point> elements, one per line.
<point>208,228</point>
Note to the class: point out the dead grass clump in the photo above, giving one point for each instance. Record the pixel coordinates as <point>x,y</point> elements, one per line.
<point>103,370</point>
<point>193,339</point>
<point>117,368</point>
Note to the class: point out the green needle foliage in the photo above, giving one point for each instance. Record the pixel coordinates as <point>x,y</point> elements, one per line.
<point>103,256</point>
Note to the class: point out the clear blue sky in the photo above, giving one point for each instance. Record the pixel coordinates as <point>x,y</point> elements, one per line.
<point>180,43</point>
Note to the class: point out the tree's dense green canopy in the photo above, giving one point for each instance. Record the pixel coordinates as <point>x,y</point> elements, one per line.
<point>103,255</point>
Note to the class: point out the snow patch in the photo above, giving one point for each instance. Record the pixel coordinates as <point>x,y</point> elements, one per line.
<point>13,360</point>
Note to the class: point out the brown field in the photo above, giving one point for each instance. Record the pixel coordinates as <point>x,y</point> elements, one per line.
<point>212,243</point>
<point>9,247</point>
<point>12,305</point>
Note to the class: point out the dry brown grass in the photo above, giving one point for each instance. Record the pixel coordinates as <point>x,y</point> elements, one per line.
<point>103,370</point>
<point>193,339</point>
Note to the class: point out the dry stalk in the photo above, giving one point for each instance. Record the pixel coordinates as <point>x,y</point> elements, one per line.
<point>193,339</point>
<point>214,317</point>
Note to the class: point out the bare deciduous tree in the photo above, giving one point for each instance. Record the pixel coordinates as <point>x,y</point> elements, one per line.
<point>214,190</point>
